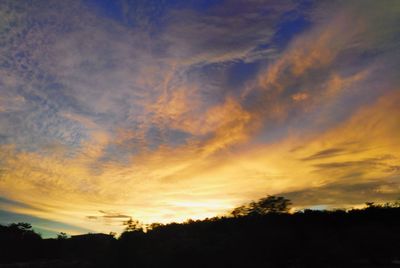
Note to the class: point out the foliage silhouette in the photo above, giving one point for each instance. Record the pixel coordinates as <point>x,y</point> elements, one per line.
<point>62,235</point>
<point>133,225</point>
<point>264,235</point>
<point>269,204</point>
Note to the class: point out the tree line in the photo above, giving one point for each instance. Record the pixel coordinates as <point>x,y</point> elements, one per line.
<point>259,234</point>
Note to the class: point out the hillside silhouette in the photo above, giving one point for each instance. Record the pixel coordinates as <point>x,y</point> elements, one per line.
<point>258,234</point>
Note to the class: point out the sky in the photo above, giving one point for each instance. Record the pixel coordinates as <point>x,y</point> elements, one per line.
<point>168,110</point>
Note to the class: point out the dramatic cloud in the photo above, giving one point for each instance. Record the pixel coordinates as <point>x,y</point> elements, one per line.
<point>164,111</point>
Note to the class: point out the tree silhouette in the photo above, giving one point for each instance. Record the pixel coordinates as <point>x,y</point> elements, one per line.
<point>240,211</point>
<point>266,205</point>
<point>270,204</point>
<point>23,230</point>
<point>24,226</point>
<point>62,236</point>
<point>133,225</point>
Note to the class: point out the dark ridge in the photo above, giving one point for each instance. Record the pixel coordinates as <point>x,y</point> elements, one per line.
<point>255,237</point>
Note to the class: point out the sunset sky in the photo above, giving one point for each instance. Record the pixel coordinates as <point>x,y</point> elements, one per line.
<point>168,110</point>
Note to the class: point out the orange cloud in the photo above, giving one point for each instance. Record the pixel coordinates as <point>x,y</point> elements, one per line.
<point>299,96</point>
<point>177,183</point>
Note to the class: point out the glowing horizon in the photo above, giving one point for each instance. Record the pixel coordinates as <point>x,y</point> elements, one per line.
<point>168,111</point>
